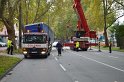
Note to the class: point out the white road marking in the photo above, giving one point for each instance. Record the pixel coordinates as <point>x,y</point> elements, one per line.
<point>100,62</point>
<point>62,67</point>
<point>113,57</point>
<point>76,81</point>
<point>56,59</point>
<point>103,63</point>
<point>108,56</point>
<point>53,54</point>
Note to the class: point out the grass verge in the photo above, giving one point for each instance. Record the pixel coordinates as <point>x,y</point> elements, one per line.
<point>6,63</point>
<point>17,51</point>
<point>113,48</point>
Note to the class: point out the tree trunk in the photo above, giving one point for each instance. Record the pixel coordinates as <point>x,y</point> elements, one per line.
<point>106,38</point>
<point>105,26</point>
<point>10,30</point>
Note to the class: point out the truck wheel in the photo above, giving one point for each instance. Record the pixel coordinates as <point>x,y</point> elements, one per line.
<point>25,56</point>
<point>74,49</point>
<point>45,56</point>
<point>48,53</point>
<point>85,49</point>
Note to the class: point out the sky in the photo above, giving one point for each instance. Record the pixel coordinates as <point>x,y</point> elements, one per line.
<point>121,20</point>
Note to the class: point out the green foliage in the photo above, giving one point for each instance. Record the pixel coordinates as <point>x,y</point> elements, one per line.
<point>64,18</point>
<point>34,11</point>
<point>59,14</point>
<point>94,14</point>
<point>113,48</point>
<point>18,51</point>
<point>120,31</point>
<point>1,26</point>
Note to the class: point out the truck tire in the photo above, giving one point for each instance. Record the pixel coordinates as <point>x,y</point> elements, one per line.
<point>45,56</point>
<point>49,54</point>
<point>84,49</point>
<point>25,56</point>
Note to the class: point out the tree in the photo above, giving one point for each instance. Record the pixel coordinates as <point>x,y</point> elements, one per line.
<point>35,11</point>
<point>7,16</point>
<point>63,16</point>
<point>110,11</point>
<point>94,14</point>
<point>120,36</point>
<point>9,12</point>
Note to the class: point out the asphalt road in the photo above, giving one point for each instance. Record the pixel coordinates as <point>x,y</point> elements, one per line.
<point>82,66</point>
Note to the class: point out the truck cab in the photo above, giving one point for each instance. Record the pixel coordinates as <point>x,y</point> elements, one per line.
<point>35,44</point>
<point>37,40</point>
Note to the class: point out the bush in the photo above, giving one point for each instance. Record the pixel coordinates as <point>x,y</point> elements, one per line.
<point>119,33</point>
<point>18,51</point>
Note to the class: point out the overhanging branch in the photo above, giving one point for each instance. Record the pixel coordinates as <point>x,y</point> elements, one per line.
<point>38,18</point>
<point>115,21</point>
<point>119,3</point>
<point>110,5</point>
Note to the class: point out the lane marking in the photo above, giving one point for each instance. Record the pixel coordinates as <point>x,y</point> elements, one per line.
<point>56,59</point>
<point>113,57</point>
<point>53,54</point>
<point>62,67</point>
<point>76,81</point>
<point>100,62</point>
<point>104,64</point>
<point>107,55</point>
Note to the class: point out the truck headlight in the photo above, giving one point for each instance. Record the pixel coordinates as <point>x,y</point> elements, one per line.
<point>43,52</point>
<point>25,52</point>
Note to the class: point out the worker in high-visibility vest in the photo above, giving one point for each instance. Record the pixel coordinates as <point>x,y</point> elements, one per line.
<point>9,44</point>
<point>77,45</point>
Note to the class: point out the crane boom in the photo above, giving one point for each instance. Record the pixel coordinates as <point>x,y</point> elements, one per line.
<point>82,23</point>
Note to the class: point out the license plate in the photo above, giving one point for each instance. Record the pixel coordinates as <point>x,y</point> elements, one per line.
<point>33,52</point>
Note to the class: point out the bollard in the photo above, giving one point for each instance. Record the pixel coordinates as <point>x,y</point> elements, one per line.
<point>99,47</point>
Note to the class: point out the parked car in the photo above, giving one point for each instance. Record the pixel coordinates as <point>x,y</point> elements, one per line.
<point>2,44</point>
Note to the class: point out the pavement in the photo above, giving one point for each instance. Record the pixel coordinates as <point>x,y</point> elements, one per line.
<point>5,54</point>
<point>3,48</point>
<point>15,55</point>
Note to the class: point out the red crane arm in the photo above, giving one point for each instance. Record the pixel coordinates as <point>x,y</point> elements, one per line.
<point>82,20</point>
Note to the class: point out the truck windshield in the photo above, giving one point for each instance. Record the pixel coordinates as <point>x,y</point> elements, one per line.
<point>34,39</point>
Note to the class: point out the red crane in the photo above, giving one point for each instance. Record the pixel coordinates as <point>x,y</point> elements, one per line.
<point>83,33</point>
<point>82,23</point>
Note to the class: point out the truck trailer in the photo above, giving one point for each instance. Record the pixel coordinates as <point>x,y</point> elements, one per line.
<point>37,40</point>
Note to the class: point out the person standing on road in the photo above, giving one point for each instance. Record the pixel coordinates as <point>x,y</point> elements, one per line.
<point>59,48</point>
<point>77,46</point>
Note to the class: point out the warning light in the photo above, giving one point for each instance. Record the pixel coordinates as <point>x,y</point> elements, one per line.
<point>28,31</point>
<point>42,31</point>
